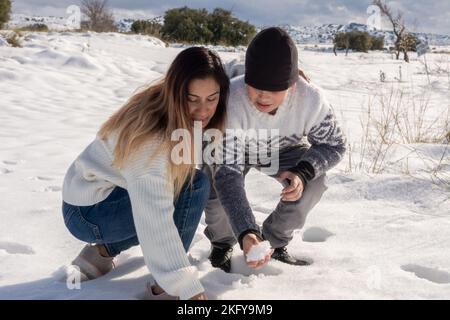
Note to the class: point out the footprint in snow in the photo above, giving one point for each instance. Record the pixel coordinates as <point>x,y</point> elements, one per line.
<point>41,178</point>
<point>316,234</point>
<point>4,171</point>
<point>52,189</point>
<point>9,162</point>
<point>40,211</point>
<point>16,248</point>
<point>430,274</point>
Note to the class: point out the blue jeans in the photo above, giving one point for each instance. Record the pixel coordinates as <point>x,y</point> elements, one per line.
<point>110,222</point>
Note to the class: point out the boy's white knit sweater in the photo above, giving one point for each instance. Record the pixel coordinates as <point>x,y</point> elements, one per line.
<point>304,112</point>
<point>91,178</point>
<point>303,108</point>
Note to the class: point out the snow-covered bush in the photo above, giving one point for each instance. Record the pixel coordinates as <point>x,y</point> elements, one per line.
<point>13,38</point>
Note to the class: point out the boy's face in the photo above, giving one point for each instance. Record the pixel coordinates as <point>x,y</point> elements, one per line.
<point>266,101</point>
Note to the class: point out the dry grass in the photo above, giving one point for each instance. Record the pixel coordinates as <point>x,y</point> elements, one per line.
<point>396,118</point>
<point>14,38</point>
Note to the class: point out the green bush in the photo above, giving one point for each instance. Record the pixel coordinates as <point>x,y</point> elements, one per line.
<point>199,26</point>
<point>187,25</point>
<point>40,27</point>
<point>377,43</point>
<point>342,40</point>
<point>217,24</point>
<point>151,28</point>
<point>229,30</point>
<point>239,33</point>
<point>5,10</point>
<point>358,41</point>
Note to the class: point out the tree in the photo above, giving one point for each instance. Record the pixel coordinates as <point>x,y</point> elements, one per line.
<point>152,28</point>
<point>228,29</point>
<point>341,41</point>
<point>238,33</point>
<point>377,43</point>
<point>185,24</point>
<point>357,41</point>
<point>360,41</point>
<point>99,17</point>
<point>199,26</point>
<point>217,22</point>
<point>5,11</point>
<point>398,26</point>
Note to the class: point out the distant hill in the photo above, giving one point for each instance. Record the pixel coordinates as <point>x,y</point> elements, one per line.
<point>325,33</point>
<point>301,34</point>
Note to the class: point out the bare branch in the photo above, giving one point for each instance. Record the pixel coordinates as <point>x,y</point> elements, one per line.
<point>398,26</point>
<point>99,17</point>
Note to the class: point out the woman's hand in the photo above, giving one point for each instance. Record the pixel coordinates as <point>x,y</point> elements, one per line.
<point>200,296</point>
<point>294,190</point>
<point>248,242</point>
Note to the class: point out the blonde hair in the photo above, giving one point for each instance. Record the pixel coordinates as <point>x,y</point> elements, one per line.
<point>159,109</point>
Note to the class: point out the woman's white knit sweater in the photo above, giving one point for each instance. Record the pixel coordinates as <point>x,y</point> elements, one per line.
<point>91,178</point>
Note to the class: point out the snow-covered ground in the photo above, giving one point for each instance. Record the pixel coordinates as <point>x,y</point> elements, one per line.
<point>383,236</point>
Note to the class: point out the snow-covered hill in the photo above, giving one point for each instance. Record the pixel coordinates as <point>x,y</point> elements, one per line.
<point>60,23</point>
<point>301,34</point>
<point>325,33</point>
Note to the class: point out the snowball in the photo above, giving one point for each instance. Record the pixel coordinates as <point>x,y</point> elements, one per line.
<point>259,251</point>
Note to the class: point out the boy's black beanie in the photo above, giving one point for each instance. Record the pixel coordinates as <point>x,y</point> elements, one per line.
<point>271,61</point>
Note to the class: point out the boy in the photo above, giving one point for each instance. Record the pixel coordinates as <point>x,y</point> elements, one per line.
<point>272,96</point>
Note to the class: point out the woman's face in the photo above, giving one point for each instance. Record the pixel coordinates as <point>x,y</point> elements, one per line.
<point>203,98</point>
<point>266,101</point>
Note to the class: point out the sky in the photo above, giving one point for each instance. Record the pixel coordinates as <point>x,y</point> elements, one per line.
<point>421,16</point>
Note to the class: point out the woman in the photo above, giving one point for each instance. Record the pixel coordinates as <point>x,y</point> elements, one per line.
<point>123,189</point>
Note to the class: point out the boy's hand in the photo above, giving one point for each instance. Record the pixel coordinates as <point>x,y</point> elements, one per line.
<point>294,190</point>
<point>250,240</point>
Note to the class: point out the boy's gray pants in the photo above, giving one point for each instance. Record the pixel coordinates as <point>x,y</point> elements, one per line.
<point>279,226</point>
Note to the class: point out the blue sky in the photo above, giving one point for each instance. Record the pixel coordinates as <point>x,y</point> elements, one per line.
<point>428,16</point>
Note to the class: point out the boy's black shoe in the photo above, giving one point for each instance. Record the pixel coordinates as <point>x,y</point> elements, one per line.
<point>282,255</point>
<point>221,258</point>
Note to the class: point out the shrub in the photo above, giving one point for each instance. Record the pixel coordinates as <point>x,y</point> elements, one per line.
<point>358,41</point>
<point>5,11</point>
<point>149,27</point>
<point>99,16</point>
<point>199,26</point>
<point>39,27</point>
<point>13,38</point>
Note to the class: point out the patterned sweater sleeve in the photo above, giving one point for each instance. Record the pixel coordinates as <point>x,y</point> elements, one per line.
<point>328,146</point>
<point>230,186</point>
